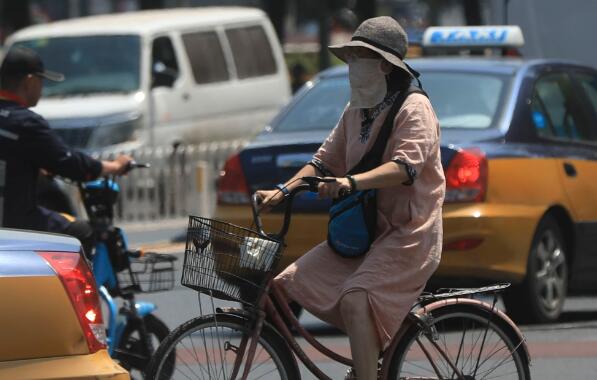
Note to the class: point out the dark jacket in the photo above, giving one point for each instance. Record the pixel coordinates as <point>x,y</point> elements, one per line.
<point>26,145</point>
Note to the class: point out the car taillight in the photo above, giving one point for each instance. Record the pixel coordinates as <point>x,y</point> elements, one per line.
<point>79,283</point>
<point>232,185</point>
<point>466,177</point>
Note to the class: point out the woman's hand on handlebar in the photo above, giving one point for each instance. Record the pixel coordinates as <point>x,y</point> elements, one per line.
<point>118,166</point>
<point>268,199</point>
<point>333,189</point>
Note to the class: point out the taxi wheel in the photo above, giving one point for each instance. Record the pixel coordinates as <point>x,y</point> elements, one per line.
<point>540,297</point>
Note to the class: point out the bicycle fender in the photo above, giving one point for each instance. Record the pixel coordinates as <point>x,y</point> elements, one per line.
<point>508,323</point>
<point>144,308</point>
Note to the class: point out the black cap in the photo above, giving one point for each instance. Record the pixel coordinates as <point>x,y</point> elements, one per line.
<point>20,60</point>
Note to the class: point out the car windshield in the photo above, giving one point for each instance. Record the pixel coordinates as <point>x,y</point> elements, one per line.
<point>320,108</point>
<point>465,100</point>
<point>460,100</point>
<point>90,64</point>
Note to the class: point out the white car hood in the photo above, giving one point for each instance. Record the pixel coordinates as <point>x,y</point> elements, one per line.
<point>88,106</point>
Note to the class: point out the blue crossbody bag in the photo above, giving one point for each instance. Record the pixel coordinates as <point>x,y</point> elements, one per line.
<point>353,217</point>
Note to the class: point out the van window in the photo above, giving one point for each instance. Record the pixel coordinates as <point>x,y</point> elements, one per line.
<point>252,52</point>
<point>90,64</point>
<point>206,57</point>
<point>162,52</point>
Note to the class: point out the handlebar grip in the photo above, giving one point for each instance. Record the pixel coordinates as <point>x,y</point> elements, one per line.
<point>313,181</point>
<point>138,165</point>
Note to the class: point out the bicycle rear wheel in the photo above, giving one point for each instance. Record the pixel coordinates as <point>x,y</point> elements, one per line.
<point>479,343</point>
<point>205,348</point>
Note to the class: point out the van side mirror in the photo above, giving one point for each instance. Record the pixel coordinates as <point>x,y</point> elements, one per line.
<point>163,76</point>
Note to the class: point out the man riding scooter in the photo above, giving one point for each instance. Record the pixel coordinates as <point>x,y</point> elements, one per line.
<point>28,145</point>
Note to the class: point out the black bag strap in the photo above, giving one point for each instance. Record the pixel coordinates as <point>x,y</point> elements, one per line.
<point>372,158</point>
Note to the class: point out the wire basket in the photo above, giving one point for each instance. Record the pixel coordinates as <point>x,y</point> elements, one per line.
<point>227,261</point>
<point>150,273</point>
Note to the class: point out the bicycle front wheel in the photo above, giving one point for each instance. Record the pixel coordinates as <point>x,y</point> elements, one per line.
<point>206,348</point>
<point>477,342</point>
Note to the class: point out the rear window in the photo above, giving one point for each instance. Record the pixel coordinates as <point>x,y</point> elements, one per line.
<point>460,100</point>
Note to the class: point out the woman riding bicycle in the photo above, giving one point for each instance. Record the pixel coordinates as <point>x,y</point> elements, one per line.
<point>369,296</point>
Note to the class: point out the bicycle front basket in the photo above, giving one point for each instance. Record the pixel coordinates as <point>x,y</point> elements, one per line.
<point>227,261</point>
<point>150,273</point>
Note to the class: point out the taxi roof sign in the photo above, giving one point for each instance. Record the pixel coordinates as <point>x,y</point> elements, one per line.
<point>473,36</point>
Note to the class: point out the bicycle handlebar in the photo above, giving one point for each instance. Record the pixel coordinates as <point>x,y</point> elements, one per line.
<point>136,165</point>
<point>310,185</point>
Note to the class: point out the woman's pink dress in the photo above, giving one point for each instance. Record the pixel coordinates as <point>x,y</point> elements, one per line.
<point>408,245</point>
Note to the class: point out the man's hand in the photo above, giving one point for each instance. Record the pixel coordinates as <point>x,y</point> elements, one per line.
<point>116,167</point>
<point>269,199</point>
<point>333,189</point>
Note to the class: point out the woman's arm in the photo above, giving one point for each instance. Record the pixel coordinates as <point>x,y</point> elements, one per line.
<point>386,175</point>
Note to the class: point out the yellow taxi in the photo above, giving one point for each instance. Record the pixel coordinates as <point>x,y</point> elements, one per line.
<point>51,324</point>
<point>519,150</point>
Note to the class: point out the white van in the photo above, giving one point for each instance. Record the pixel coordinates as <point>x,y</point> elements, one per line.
<point>158,77</point>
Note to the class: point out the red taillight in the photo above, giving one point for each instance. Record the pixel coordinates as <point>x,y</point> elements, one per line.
<point>79,283</point>
<point>466,177</point>
<point>232,186</point>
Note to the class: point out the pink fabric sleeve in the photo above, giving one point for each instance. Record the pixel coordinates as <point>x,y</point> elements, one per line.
<point>331,154</point>
<point>416,132</point>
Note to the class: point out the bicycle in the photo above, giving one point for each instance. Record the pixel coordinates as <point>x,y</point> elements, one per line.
<point>446,335</point>
<point>133,330</point>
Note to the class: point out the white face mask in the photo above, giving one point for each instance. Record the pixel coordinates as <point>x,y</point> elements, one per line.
<point>367,82</point>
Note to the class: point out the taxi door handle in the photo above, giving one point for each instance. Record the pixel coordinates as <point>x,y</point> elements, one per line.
<point>569,169</point>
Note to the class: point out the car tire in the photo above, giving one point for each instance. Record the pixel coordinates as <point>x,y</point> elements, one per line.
<point>540,297</point>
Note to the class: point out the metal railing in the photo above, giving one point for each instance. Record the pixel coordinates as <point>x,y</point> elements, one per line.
<point>180,181</point>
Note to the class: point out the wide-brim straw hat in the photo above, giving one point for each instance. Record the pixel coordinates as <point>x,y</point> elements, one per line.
<point>383,35</point>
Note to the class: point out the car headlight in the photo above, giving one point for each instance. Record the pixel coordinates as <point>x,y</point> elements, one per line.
<point>115,129</point>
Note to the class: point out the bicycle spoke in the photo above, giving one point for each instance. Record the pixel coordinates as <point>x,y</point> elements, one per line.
<point>209,352</point>
<point>469,344</point>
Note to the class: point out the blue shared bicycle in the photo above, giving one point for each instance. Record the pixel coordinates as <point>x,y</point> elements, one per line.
<point>133,331</point>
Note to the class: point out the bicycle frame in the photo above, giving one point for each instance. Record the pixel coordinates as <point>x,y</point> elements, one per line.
<point>274,303</point>
<point>105,276</point>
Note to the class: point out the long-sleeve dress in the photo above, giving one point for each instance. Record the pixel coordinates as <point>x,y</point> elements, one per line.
<point>408,243</point>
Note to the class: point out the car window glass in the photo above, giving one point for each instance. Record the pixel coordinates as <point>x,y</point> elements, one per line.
<point>320,108</point>
<point>252,51</point>
<point>163,52</point>
<point>553,111</point>
<point>90,64</point>
<point>589,84</point>
<point>464,100</point>
<point>206,57</point>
